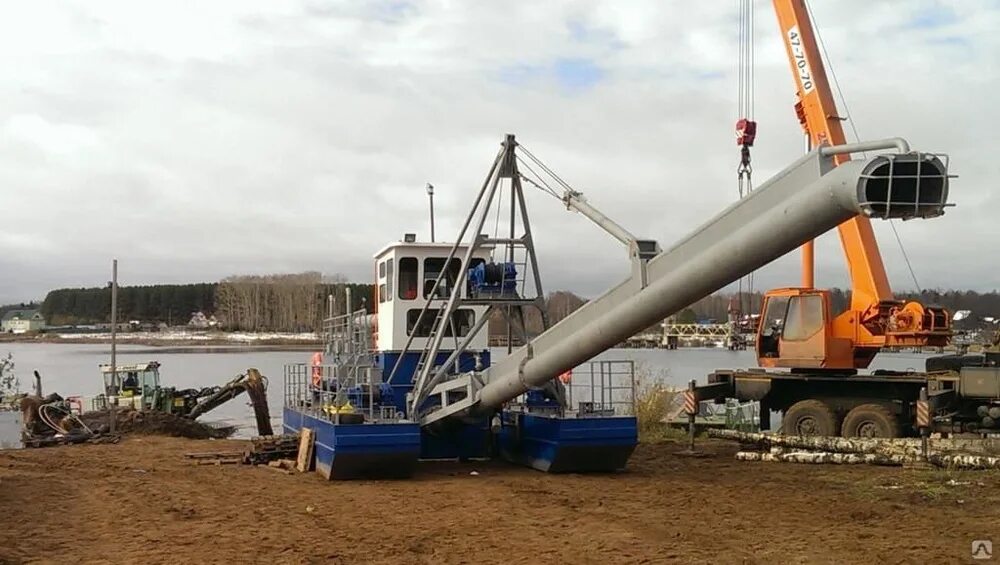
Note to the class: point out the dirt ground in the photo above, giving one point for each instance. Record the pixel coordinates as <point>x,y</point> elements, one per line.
<point>141,501</point>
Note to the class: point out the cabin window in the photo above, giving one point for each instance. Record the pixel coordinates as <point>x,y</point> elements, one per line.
<point>774,315</point>
<point>388,279</point>
<point>381,281</point>
<point>462,321</point>
<point>408,267</point>
<point>432,269</point>
<point>804,318</point>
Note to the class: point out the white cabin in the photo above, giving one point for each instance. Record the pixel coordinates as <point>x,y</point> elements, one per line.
<point>405,274</point>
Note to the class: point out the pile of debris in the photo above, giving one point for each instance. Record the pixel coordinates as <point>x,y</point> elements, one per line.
<point>275,451</point>
<point>154,422</point>
<point>941,452</point>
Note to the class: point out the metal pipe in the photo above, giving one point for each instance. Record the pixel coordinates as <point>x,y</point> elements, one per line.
<point>800,203</point>
<point>350,319</point>
<point>114,361</point>
<point>897,143</point>
<point>576,201</point>
<point>430,196</point>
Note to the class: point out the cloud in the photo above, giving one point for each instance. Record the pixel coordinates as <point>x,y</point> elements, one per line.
<point>195,141</point>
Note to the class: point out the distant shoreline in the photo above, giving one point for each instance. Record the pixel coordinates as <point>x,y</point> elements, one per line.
<point>183,339</point>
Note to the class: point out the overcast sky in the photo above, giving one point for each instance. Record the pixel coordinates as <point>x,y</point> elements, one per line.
<point>196,140</point>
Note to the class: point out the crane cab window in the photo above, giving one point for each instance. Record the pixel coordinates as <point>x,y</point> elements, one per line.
<point>771,321</point>
<point>408,278</point>
<point>804,317</point>
<point>774,315</point>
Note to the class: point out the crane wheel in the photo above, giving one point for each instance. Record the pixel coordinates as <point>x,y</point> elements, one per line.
<point>810,418</point>
<point>871,421</point>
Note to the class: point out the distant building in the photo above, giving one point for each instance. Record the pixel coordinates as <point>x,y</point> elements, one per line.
<point>21,321</point>
<point>199,320</point>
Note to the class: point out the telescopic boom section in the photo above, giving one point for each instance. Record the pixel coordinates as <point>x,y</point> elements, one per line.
<point>803,201</point>
<point>817,112</point>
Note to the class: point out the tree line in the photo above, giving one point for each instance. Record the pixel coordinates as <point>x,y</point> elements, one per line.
<point>288,303</point>
<point>294,302</point>
<point>298,302</point>
<point>167,303</point>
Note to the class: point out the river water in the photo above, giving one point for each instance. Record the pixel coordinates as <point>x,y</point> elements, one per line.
<point>72,369</point>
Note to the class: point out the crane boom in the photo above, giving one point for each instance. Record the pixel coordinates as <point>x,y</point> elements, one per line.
<point>818,115</point>
<point>808,198</point>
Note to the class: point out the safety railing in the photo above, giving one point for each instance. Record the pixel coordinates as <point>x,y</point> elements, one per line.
<point>596,388</point>
<point>349,334</point>
<point>338,393</point>
<point>602,388</point>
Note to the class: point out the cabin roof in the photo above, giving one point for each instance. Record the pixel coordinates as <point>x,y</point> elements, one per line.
<point>424,246</point>
<point>22,314</point>
<point>106,367</point>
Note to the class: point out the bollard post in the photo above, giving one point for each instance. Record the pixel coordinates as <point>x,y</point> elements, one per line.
<point>691,405</point>
<point>924,421</point>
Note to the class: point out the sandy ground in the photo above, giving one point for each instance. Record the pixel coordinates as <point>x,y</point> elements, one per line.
<point>141,501</point>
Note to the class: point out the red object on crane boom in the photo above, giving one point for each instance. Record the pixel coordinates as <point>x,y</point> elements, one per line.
<point>746,132</point>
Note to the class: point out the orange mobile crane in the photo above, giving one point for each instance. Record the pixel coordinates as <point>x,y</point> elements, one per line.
<point>874,318</point>
<point>821,393</point>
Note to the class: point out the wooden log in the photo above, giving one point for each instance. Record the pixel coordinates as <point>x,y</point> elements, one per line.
<point>821,457</point>
<point>892,446</point>
<point>960,461</point>
<point>896,447</point>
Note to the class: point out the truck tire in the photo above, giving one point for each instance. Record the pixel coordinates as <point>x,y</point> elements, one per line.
<point>871,421</point>
<point>810,418</point>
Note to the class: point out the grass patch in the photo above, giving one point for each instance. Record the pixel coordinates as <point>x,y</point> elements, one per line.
<point>654,402</point>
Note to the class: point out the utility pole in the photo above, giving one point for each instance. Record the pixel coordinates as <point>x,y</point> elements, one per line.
<point>114,333</point>
<point>430,196</point>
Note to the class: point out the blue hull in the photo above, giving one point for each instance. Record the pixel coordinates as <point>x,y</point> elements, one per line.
<point>567,445</point>
<point>359,451</point>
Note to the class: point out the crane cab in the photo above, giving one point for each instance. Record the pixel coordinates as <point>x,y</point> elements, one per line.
<point>795,331</point>
<point>799,330</point>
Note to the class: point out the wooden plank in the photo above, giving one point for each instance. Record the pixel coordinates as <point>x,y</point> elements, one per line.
<point>216,461</point>
<point>305,459</point>
<point>214,455</point>
<point>277,469</point>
